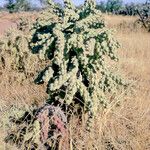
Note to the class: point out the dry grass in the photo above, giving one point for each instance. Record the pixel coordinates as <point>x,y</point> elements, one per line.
<point>126,127</point>
<point>122,23</point>
<point>10,20</point>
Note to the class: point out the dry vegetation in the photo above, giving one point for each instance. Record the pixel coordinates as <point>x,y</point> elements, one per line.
<point>127,127</point>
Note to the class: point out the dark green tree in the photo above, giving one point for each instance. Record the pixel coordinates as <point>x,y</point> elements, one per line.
<point>101,6</point>
<point>113,5</point>
<point>10,6</point>
<point>22,5</point>
<point>18,5</point>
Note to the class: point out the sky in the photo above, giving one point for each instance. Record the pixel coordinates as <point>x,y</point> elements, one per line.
<point>78,2</point>
<point>125,1</point>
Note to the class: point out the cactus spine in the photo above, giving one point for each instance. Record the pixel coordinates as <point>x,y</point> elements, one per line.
<point>77,43</point>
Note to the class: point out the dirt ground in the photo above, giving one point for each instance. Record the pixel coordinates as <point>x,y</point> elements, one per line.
<point>6,21</point>
<point>5,24</point>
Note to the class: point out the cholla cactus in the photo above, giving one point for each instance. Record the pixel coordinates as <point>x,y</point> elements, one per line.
<point>15,55</point>
<point>38,128</point>
<point>77,42</point>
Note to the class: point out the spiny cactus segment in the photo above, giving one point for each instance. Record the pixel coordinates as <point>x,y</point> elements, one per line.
<point>77,43</point>
<point>15,55</point>
<point>38,128</point>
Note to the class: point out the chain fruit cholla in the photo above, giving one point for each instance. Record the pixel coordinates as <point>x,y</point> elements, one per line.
<point>77,43</point>
<point>15,56</point>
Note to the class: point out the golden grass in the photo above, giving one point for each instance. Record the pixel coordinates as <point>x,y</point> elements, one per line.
<point>8,20</point>
<point>126,127</point>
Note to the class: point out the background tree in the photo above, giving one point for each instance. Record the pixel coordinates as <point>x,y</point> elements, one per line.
<point>18,5</point>
<point>10,6</point>
<point>114,5</point>
<point>101,6</point>
<point>22,5</point>
<point>131,9</point>
<point>144,15</point>
<point>44,3</point>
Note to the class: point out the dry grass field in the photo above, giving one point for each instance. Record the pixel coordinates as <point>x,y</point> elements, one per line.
<point>126,127</point>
